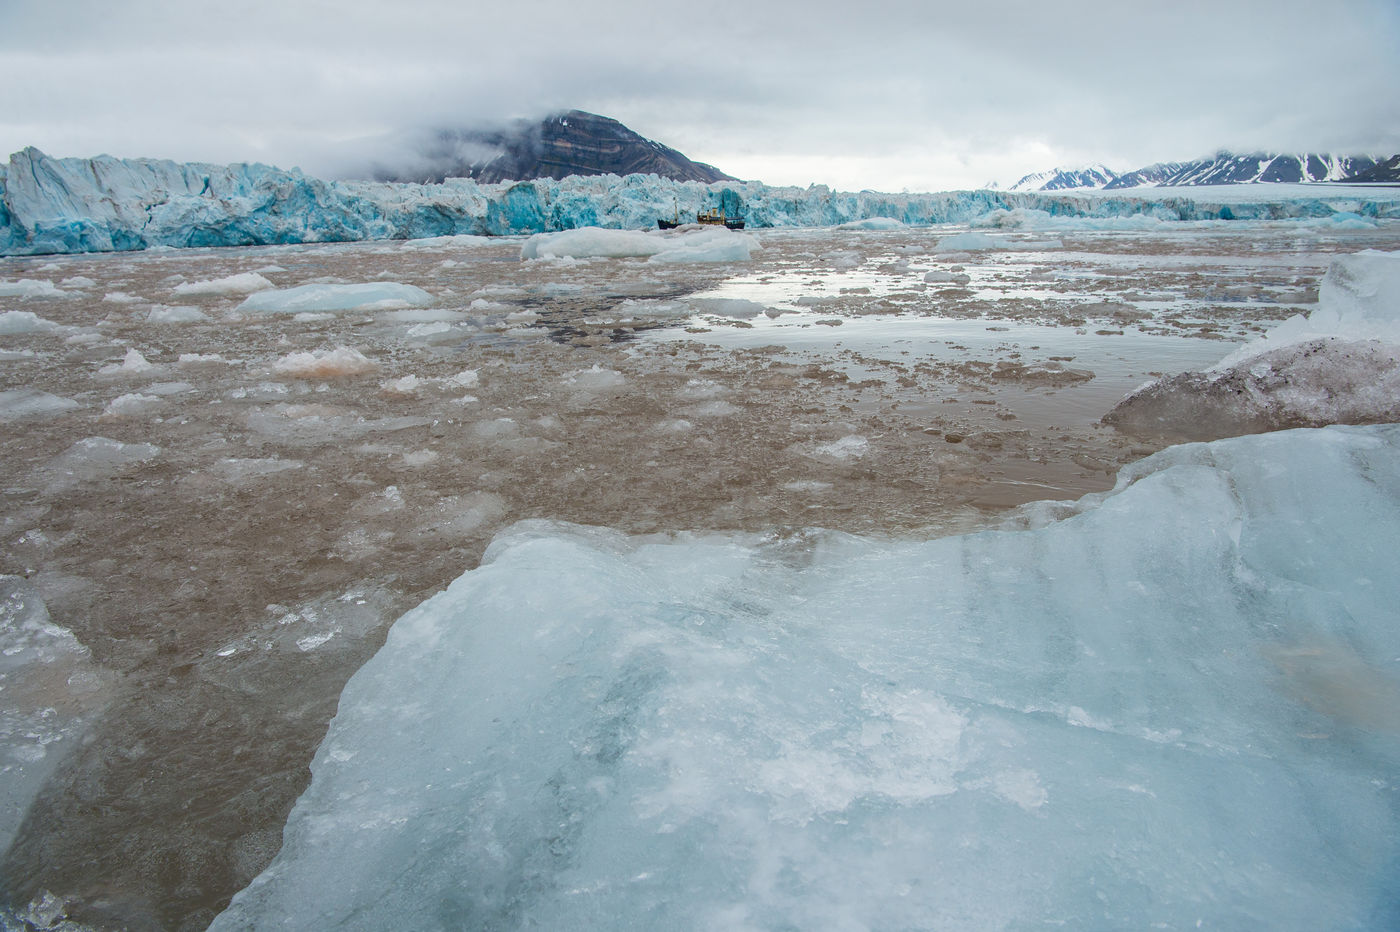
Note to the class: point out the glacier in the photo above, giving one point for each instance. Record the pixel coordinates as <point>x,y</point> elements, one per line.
<point>1179,707</point>
<point>74,205</point>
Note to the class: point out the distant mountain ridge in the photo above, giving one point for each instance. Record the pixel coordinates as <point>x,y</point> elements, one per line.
<point>1220,169</point>
<point>1066,179</point>
<point>1150,176</point>
<point>1265,168</point>
<point>564,144</point>
<point>1387,172</point>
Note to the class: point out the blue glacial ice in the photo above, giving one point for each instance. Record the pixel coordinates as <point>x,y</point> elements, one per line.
<point>69,205</point>
<point>1179,707</point>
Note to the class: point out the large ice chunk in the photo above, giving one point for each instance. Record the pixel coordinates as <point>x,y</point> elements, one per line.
<point>16,322</point>
<point>17,404</point>
<point>1340,364</point>
<point>242,283</point>
<point>51,691</point>
<point>358,297</point>
<point>1359,299</point>
<point>94,459</point>
<point>714,245</point>
<point>1179,708</point>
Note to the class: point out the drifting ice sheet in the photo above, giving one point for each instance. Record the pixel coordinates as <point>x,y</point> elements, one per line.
<point>591,242</point>
<point>367,296</point>
<point>1177,707</point>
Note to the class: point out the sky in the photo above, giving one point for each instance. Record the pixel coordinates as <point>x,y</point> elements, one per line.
<point>881,94</point>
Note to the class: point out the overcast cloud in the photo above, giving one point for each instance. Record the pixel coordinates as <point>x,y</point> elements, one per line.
<point>887,95</point>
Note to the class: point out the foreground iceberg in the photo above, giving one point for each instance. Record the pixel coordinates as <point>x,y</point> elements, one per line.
<point>1178,708</point>
<point>50,205</point>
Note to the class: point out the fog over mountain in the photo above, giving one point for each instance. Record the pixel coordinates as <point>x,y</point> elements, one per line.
<point>560,145</point>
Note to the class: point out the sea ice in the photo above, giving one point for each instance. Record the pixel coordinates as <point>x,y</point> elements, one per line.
<point>20,403</point>
<point>17,322</point>
<point>325,364</point>
<point>51,691</point>
<point>242,283</point>
<point>29,288</point>
<point>710,246</point>
<point>1179,708</point>
<point>1340,364</point>
<point>131,404</point>
<point>133,363</point>
<point>360,297</point>
<point>884,224</point>
<point>594,379</point>
<point>977,242</point>
<point>592,242</point>
<point>176,315</point>
<point>1359,299</point>
<point>95,458</point>
<point>737,308</point>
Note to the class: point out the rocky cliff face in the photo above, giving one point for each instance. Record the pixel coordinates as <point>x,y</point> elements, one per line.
<point>572,143</point>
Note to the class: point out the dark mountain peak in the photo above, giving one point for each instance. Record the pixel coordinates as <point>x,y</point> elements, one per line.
<point>570,143</point>
<point>1148,176</point>
<point>1386,172</point>
<point>1226,167</point>
<point>1066,179</point>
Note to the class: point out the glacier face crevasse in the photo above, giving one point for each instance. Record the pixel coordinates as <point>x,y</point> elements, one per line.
<point>103,204</point>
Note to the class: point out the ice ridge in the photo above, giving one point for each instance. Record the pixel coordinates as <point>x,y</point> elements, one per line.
<point>104,204</point>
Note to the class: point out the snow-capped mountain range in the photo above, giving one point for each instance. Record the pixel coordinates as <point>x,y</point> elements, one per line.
<point>1222,168</point>
<point>1066,179</point>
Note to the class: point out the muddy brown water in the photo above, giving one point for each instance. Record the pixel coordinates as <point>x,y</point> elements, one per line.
<point>227,585</point>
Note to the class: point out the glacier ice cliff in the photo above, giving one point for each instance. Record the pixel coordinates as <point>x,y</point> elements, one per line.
<point>1178,708</point>
<point>102,204</point>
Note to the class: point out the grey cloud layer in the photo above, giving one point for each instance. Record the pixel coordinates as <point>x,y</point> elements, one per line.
<point>736,84</point>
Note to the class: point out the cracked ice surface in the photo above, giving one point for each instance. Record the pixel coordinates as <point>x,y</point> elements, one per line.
<point>229,533</point>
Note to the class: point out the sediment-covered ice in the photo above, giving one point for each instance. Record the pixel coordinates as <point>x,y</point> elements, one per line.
<point>334,363</point>
<point>105,204</point>
<point>1179,708</point>
<point>1339,364</point>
